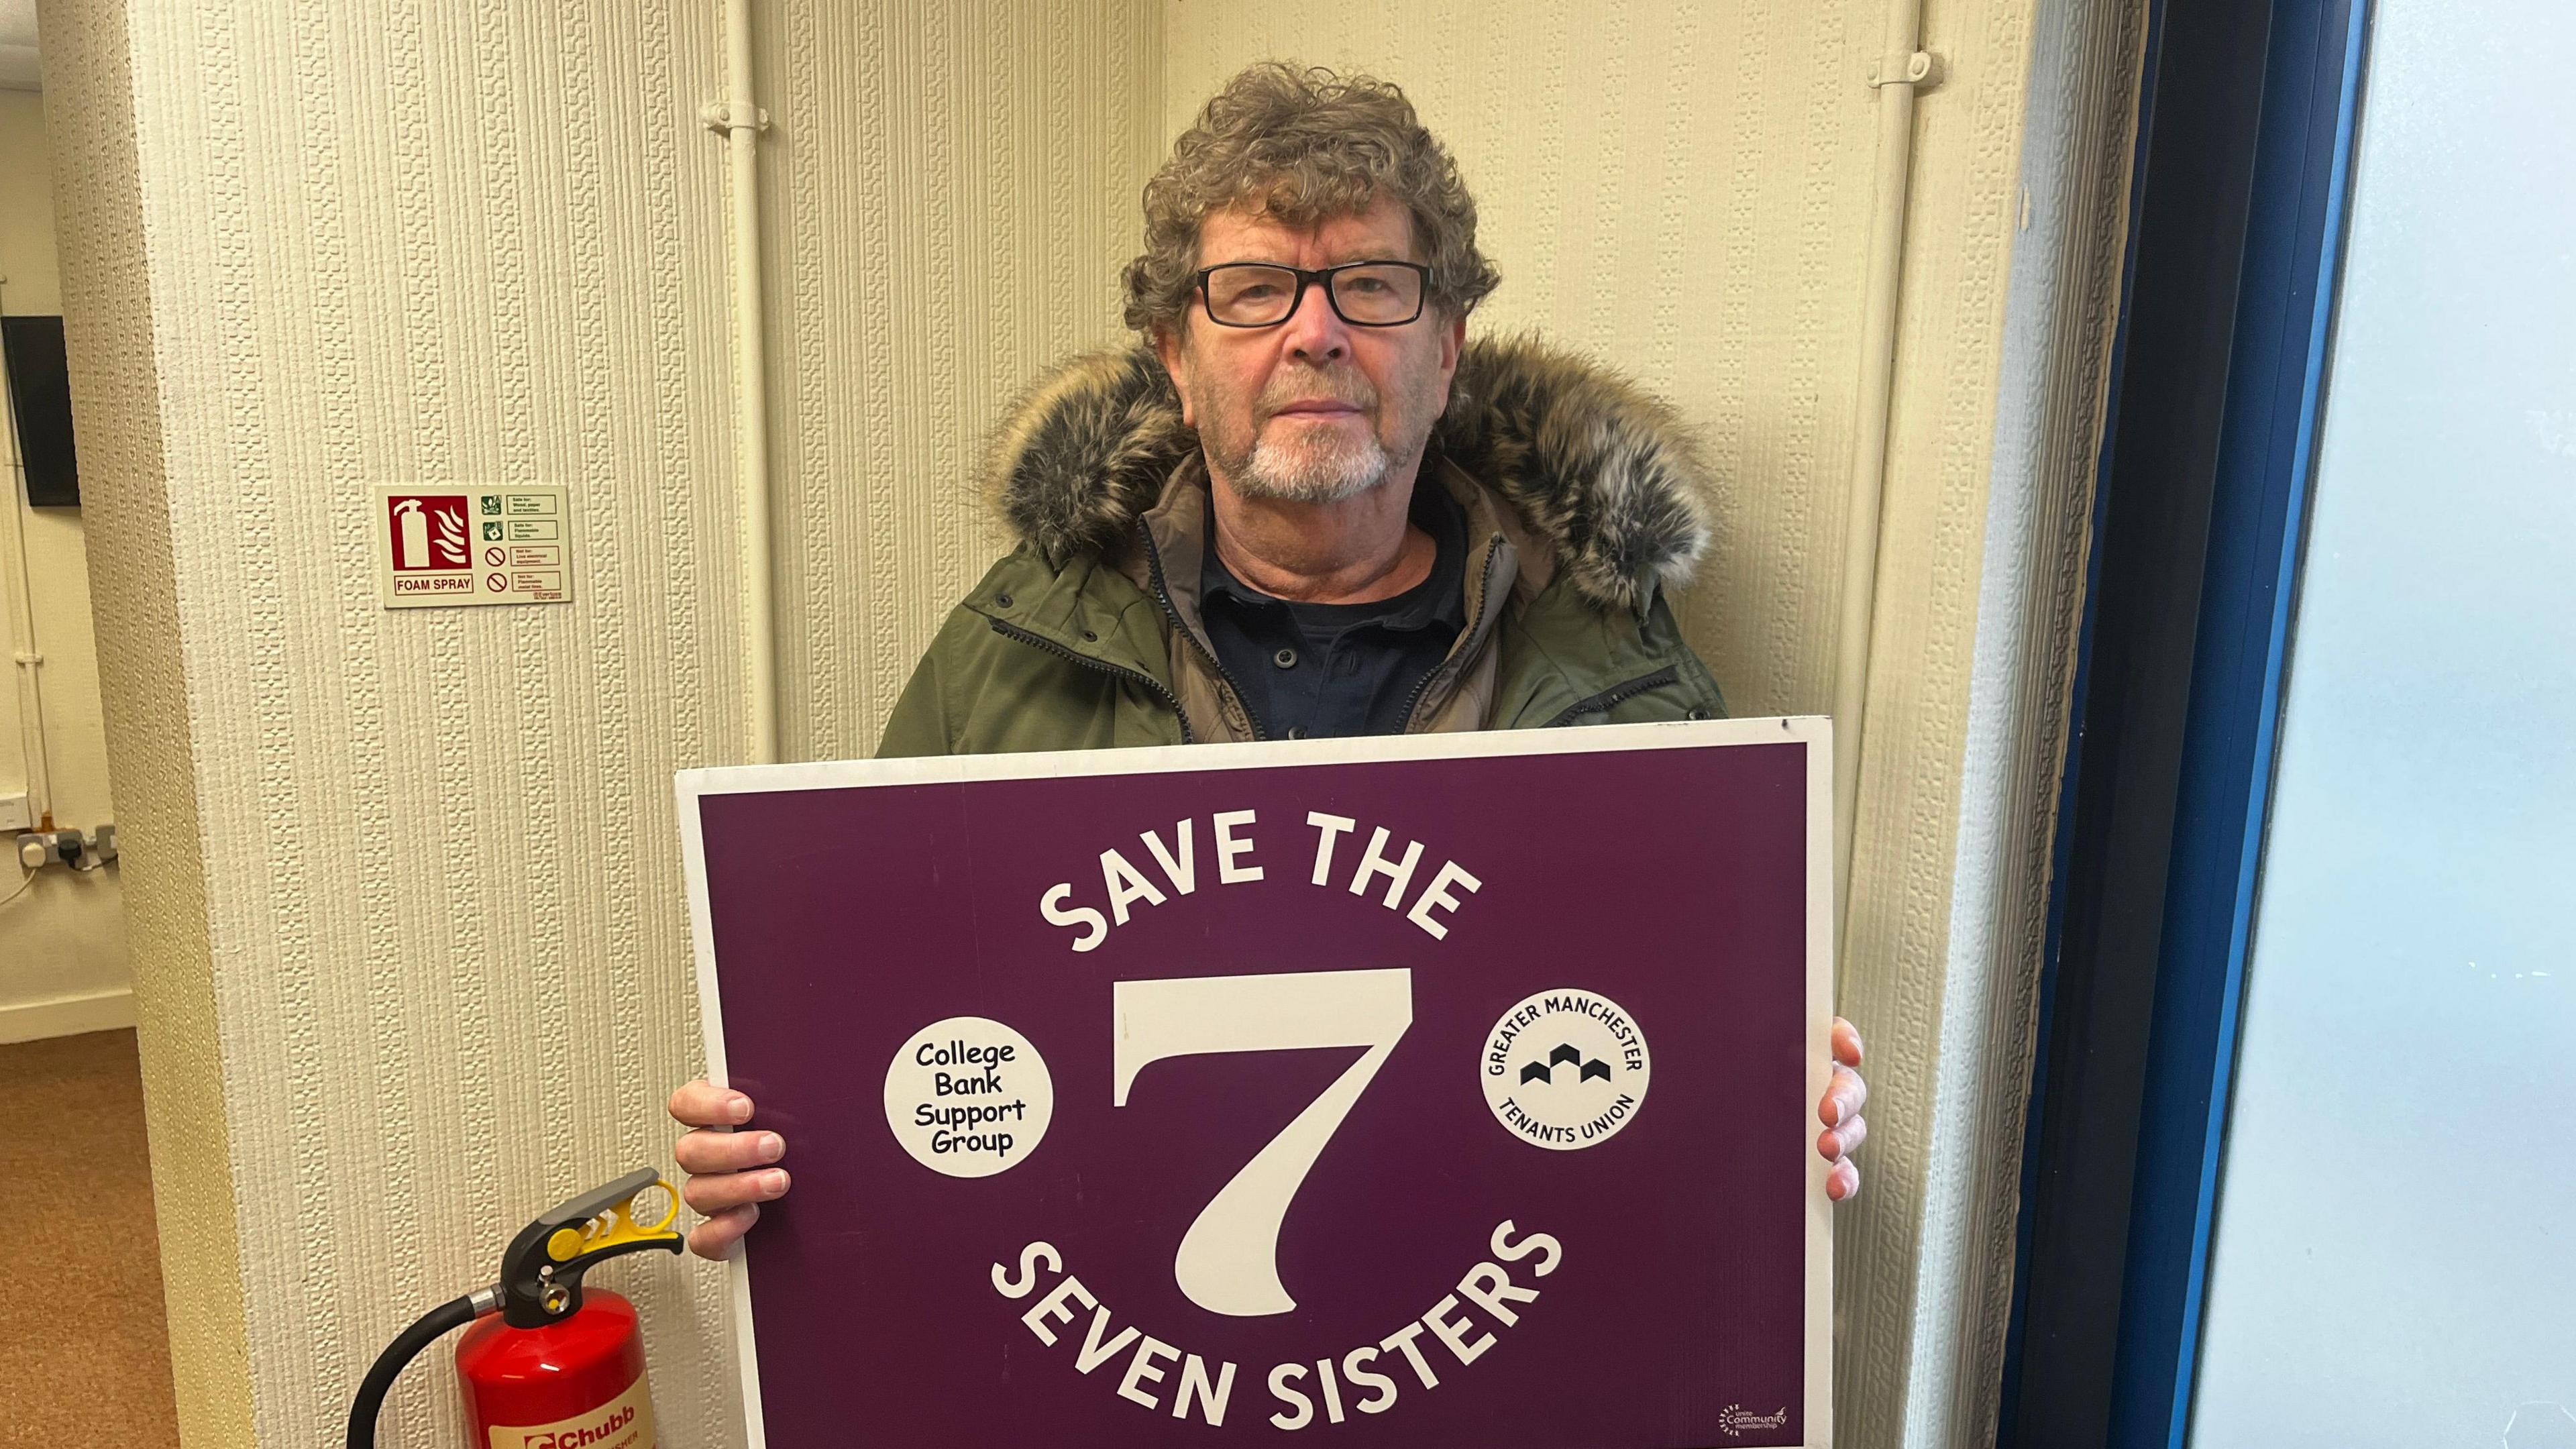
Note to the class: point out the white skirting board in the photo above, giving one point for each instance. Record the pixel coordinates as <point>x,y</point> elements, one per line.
<point>66,1015</point>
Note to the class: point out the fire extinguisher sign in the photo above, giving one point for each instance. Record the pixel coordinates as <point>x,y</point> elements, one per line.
<point>1446,1090</point>
<point>473,543</point>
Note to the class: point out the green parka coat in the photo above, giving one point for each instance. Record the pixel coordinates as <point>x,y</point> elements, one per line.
<point>1584,499</point>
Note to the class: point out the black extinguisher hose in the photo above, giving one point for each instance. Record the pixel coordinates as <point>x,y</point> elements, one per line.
<point>406,1346</point>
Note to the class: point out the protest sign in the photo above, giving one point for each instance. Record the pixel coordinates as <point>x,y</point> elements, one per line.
<point>1449,1090</point>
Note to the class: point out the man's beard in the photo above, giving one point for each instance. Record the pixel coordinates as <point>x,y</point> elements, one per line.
<point>1305,469</point>
<point>1313,470</point>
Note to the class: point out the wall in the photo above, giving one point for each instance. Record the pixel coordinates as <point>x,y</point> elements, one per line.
<point>404,886</point>
<point>62,942</point>
<point>1950,1259</point>
<point>948,198</point>
<point>406,906</point>
<point>1712,241</point>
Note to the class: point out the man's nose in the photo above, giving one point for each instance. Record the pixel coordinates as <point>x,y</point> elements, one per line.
<point>1315,332</point>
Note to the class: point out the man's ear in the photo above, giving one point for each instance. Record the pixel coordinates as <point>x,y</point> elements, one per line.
<point>1168,347</point>
<point>1453,343</point>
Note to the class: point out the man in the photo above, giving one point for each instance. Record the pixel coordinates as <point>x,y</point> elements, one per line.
<point>1311,510</point>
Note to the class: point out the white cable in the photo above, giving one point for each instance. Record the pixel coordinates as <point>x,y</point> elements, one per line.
<point>741,126</point>
<point>1902,70</point>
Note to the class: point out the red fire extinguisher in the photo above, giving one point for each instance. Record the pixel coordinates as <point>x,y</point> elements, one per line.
<point>546,1364</point>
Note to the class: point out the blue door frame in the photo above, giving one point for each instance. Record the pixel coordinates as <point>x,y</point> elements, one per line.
<point>2244,159</point>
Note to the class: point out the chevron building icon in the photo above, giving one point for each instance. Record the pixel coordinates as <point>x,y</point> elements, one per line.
<point>1546,1071</point>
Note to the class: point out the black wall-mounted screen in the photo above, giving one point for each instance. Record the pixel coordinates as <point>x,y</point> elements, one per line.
<point>40,393</point>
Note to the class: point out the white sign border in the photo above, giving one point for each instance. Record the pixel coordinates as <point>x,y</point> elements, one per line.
<point>1813,731</point>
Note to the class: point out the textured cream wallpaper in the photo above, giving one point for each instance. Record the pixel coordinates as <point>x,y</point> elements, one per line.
<point>949,192</point>
<point>101,229</point>
<point>2012,276</point>
<point>2060,323</point>
<point>419,835</point>
<point>405,901</point>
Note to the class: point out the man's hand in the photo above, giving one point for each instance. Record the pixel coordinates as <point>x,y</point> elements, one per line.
<point>1839,1111</point>
<point>729,1171</point>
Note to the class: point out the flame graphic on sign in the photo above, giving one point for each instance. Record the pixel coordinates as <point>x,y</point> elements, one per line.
<point>451,537</point>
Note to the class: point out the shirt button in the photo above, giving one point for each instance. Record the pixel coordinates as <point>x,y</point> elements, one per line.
<point>1295,732</point>
<point>1285,658</point>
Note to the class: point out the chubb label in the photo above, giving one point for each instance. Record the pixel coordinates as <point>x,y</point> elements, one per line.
<point>625,1422</point>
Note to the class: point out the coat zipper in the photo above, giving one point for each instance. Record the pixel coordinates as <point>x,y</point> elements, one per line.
<point>1163,592</point>
<point>1007,631</point>
<point>1422,686</point>
<point>1616,695</point>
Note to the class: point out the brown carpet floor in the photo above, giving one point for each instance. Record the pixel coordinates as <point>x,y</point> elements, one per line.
<point>84,1347</point>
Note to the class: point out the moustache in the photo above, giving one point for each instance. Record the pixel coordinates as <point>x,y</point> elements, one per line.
<point>1287,393</point>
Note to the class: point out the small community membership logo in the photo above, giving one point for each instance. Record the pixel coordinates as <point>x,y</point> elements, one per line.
<point>1737,1421</point>
<point>1565,1069</point>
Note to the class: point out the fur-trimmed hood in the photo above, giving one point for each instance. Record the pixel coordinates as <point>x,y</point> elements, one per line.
<point>1596,468</point>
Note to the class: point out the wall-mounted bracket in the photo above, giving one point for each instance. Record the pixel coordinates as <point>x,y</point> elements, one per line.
<point>722,119</point>
<point>1921,70</point>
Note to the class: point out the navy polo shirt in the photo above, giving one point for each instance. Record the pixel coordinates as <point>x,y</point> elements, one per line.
<point>1321,671</point>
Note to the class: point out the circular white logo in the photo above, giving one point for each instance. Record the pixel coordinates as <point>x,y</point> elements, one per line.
<point>968,1097</point>
<point>1565,1069</point>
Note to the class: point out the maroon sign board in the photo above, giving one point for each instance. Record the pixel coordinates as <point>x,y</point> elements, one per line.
<point>1449,1090</point>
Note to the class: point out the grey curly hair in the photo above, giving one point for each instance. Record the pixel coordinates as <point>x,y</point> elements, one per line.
<point>1303,145</point>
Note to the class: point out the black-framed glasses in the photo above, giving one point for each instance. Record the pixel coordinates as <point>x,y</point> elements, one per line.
<point>1265,294</point>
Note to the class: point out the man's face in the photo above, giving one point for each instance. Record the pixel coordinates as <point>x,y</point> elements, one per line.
<point>1312,410</point>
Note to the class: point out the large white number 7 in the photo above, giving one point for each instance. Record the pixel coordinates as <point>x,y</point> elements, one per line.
<point>1229,1259</point>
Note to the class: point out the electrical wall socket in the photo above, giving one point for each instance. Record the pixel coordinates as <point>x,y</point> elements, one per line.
<point>13,812</point>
